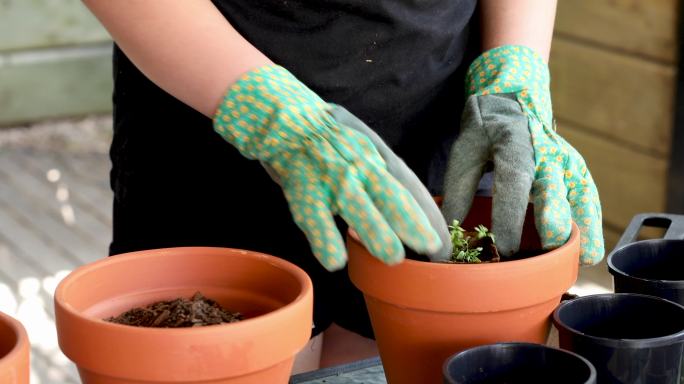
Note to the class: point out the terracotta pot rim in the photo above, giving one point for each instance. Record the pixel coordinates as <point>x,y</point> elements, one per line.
<point>574,235</point>
<point>20,347</point>
<point>74,324</point>
<point>511,284</point>
<point>298,273</point>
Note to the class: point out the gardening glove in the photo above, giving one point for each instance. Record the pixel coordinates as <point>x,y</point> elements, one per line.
<point>323,167</point>
<point>508,121</point>
<point>404,175</point>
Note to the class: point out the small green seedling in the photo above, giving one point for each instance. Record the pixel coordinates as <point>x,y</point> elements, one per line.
<point>466,249</point>
<point>483,232</point>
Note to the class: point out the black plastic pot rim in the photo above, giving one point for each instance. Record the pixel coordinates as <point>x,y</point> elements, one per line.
<point>516,344</point>
<point>592,370</point>
<point>670,284</point>
<point>677,284</point>
<point>653,342</point>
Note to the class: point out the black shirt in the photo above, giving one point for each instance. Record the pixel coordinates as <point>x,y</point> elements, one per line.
<point>396,64</point>
<point>393,63</point>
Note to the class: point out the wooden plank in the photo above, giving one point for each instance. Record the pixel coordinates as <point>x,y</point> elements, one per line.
<point>17,272</point>
<point>43,215</point>
<point>41,257</point>
<point>620,97</point>
<point>34,184</point>
<point>27,251</point>
<point>32,248</point>
<point>48,365</point>
<point>93,175</point>
<point>33,88</point>
<point>92,168</point>
<point>14,265</point>
<point>87,177</point>
<point>643,27</point>
<point>42,252</point>
<point>47,372</point>
<point>629,182</point>
<point>18,268</point>
<point>41,23</point>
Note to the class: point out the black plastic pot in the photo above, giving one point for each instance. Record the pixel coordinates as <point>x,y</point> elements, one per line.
<point>517,363</point>
<point>630,338</point>
<point>652,267</point>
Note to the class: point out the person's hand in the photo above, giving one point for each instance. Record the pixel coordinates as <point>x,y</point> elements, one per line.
<point>323,167</point>
<point>404,175</point>
<point>508,121</point>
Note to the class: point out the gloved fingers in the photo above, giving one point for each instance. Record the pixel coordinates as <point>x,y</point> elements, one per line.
<point>310,210</point>
<point>348,120</point>
<point>361,213</point>
<point>461,180</point>
<point>405,176</point>
<point>467,160</point>
<point>562,161</point>
<point>513,177</point>
<point>513,157</point>
<point>353,145</point>
<point>342,163</point>
<point>401,210</point>
<point>586,209</point>
<point>552,213</point>
<point>339,166</point>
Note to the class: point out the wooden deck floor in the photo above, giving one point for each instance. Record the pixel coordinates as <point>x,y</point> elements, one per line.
<point>55,214</point>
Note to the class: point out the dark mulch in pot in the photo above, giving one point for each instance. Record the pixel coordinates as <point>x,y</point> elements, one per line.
<point>197,311</point>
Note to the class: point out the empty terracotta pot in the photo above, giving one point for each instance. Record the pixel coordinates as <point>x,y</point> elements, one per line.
<point>275,296</point>
<point>424,312</point>
<point>14,351</point>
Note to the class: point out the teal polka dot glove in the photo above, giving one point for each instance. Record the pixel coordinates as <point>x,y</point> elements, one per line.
<point>508,121</point>
<point>323,167</point>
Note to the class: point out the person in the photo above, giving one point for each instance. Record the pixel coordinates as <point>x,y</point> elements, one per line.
<point>271,125</point>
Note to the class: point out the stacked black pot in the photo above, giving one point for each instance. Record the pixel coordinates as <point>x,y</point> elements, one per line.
<point>633,336</point>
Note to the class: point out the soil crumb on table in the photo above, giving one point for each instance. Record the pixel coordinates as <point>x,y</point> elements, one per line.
<point>197,311</point>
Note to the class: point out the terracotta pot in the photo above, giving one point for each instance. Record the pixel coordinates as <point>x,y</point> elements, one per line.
<point>274,295</point>
<point>14,351</point>
<point>424,312</point>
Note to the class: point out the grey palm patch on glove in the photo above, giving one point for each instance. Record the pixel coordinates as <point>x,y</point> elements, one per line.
<point>494,130</point>
<point>398,168</point>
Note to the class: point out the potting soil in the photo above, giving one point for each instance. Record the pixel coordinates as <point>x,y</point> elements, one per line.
<point>197,311</point>
<point>490,253</point>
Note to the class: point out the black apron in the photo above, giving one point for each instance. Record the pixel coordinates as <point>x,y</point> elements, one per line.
<point>396,64</point>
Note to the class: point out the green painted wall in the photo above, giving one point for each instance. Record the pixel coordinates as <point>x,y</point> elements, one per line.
<point>54,61</point>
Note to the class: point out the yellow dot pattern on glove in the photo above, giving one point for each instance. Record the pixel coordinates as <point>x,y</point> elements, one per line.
<point>563,189</point>
<point>324,168</point>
